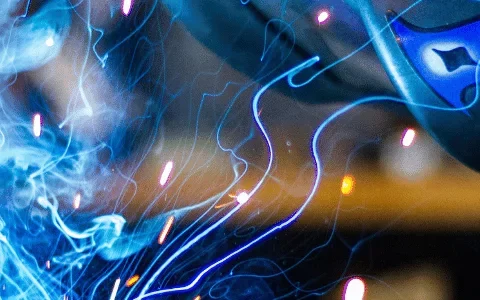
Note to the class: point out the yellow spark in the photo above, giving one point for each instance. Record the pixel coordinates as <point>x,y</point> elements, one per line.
<point>132,280</point>
<point>348,183</point>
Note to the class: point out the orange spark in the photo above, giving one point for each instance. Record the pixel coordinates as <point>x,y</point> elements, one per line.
<point>348,183</point>
<point>166,230</point>
<point>132,280</point>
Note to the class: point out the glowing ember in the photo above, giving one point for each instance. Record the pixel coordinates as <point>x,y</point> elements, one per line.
<point>243,197</point>
<point>166,173</point>
<point>127,7</point>
<point>37,125</point>
<point>408,137</point>
<point>354,290</point>
<point>323,16</point>
<point>115,289</point>
<point>76,201</point>
<point>132,280</point>
<point>348,183</point>
<point>166,230</point>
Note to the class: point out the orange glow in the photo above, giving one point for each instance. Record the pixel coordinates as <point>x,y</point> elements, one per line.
<point>354,289</point>
<point>197,298</point>
<point>132,280</point>
<point>166,230</point>
<point>348,183</point>
<point>223,205</point>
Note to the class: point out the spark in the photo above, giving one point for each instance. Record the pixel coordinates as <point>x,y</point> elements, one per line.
<point>260,112</point>
<point>354,290</point>
<point>197,298</point>
<point>115,289</point>
<point>223,205</point>
<point>166,173</point>
<point>76,201</point>
<point>37,125</point>
<point>165,230</point>
<point>50,42</point>
<point>127,7</point>
<point>323,16</point>
<point>243,197</point>
<point>348,183</point>
<point>47,264</point>
<point>132,280</point>
<point>408,137</point>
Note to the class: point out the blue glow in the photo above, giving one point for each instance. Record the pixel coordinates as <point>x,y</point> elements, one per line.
<point>79,212</point>
<point>420,48</point>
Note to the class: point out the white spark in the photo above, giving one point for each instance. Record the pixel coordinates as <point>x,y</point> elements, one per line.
<point>127,6</point>
<point>355,289</point>
<point>76,201</point>
<point>50,42</point>
<point>243,197</point>
<point>166,173</point>
<point>115,289</point>
<point>408,137</point>
<point>37,125</point>
<point>323,16</point>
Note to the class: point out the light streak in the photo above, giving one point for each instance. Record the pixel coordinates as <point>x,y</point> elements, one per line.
<point>408,137</point>
<point>323,16</point>
<point>76,201</point>
<point>127,7</point>
<point>348,184</point>
<point>132,280</point>
<point>256,99</point>
<point>223,205</point>
<point>354,289</point>
<point>260,112</point>
<point>197,298</point>
<point>166,173</point>
<point>37,125</point>
<point>47,264</point>
<point>166,230</point>
<point>115,289</point>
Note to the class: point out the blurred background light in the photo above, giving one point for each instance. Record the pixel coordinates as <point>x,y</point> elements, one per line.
<point>418,156</point>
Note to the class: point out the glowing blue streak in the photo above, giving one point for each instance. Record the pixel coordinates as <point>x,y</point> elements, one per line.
<point>255,101</point>
<point>317,164</point>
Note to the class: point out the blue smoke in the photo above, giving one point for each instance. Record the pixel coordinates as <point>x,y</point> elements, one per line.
<point>52,250</point>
